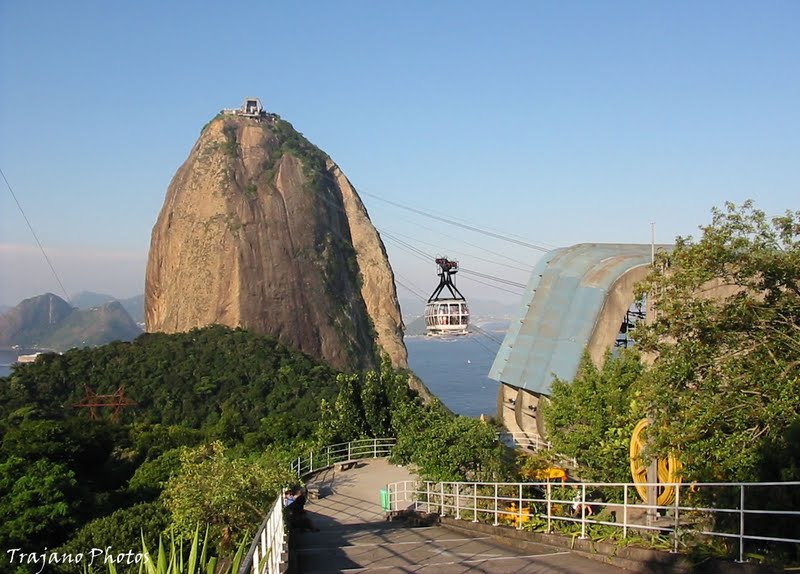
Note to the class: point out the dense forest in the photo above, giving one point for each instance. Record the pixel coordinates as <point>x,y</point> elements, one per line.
<point>216,416</point>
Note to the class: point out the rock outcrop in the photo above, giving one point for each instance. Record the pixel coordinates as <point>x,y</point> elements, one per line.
<point>262,230</point>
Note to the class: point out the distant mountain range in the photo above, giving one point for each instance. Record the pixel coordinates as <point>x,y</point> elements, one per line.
<point>49,322</point>
<point>133,305</point>
<point>89,301</point>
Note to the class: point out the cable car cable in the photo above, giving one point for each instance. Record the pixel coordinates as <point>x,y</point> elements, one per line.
<point>491,277</point>
<point>468,278</point>
<point>464,254</point>
<point>528,266</point>
<point>462,225</point>
<point>36,237</point>
<point>422,255</point>
<point>487,334</point>
<point>413,291</point>
<point>415,252</point>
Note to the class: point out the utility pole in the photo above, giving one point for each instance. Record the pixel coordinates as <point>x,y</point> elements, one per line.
<point>652,469</point>
<point>653,242</point>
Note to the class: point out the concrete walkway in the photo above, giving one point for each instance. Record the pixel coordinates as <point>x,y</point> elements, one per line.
<point>355,537</point>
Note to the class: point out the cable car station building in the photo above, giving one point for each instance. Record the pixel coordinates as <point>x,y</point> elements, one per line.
<point>578,298</point>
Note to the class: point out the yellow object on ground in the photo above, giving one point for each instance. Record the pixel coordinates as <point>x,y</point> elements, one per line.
<point>520,518</point>
<point>668,469</point>
<point>551,473</point>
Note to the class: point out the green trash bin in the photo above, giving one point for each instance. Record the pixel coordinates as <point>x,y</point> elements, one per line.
<point>385,503</point>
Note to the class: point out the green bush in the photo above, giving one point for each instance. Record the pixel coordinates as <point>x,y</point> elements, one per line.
<point>123,531</point>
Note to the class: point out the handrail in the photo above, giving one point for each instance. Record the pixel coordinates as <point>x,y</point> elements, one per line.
<point>518,503</point>
<point>341,452</point>
<point>523,440</point>
<point>267,553</point>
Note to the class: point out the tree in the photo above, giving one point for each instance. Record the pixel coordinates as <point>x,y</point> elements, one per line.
<point>150,477</point>
<point>230,495</point>
<point>591,418</point>
<point>447,447</point>
<point>326,432</point>
<point>725,387</point>
<point>37,502</point>
<point>122,530</point>
<point>349,412</point>
<point>376,405</point>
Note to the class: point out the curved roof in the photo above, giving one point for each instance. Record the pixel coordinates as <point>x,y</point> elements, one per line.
<point>561,308</point>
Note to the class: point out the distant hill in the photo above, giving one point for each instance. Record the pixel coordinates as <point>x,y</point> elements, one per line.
<point>133,305</point>
<point>89,299</point>
<point>49,322</point>
<point>415,327</point>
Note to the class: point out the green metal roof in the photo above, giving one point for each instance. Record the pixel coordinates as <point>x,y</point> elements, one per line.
<point>560,309</point>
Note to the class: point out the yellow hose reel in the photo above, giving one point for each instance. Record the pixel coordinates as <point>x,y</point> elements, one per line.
<point>668,469</point>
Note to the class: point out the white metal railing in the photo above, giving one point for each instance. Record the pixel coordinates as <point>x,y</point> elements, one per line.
<point>532,442</point>
<point>684,521</point>
<point>268,549</point>
<point>342,452</point>
<point>523,440</point>
<point>267,553</point>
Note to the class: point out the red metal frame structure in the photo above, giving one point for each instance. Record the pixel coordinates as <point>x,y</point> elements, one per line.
<point>92,401</point>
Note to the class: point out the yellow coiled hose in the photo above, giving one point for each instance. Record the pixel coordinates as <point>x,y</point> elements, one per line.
<point>668,469</point>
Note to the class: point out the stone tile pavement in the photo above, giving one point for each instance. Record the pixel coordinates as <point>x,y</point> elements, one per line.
<point>355,537</point>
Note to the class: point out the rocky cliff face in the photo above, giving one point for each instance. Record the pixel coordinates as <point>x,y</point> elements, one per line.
<point>261,230</point>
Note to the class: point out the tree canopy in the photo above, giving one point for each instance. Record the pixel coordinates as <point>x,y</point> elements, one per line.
<point>591,418</point>
<point>724,389</point>
<point>723,344</point>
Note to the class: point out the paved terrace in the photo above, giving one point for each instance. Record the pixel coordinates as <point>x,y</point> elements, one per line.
<point>355,537</point>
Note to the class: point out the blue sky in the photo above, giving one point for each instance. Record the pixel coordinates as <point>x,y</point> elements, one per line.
<point>559,122</point>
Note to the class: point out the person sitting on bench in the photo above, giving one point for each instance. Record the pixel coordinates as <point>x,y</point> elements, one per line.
<point>298,517</point>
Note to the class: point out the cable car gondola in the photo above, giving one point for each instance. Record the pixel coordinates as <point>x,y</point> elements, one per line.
<point>446,315</point>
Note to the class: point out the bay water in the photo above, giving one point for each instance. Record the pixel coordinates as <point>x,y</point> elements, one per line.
<point>456,369</point>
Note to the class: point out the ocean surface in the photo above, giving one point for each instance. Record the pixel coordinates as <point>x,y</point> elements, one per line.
<point>9,357</point>
<point>453,368</point>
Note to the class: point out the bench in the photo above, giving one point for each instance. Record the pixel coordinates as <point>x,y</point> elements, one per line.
<point>346,464</point>
<point>313,492</point>
<point>417,519</point>
<point>392,515</point>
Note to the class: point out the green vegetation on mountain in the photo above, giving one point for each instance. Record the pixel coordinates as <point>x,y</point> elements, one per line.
<point>63,476</point>
<point>217,381</point>
<point>219,412</point>
<point>290,141</point>
<point>88,299</point>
